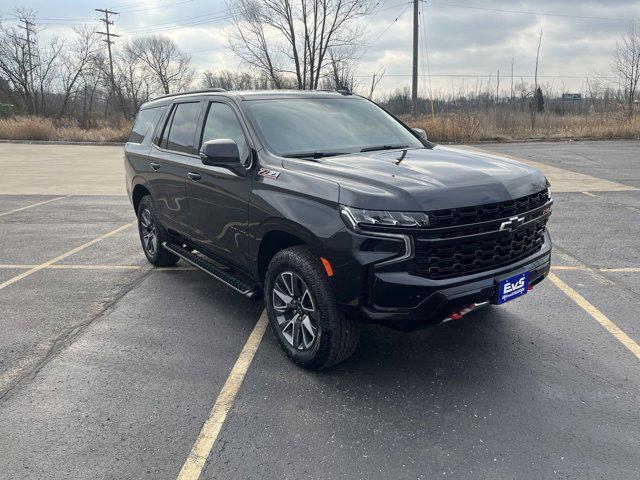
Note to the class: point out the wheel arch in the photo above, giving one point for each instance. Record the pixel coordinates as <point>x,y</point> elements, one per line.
<point>138,192</point>
<point>276,235</point>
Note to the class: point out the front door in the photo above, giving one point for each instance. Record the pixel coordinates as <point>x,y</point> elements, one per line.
<point>173,151</point>
<point>218,197</point>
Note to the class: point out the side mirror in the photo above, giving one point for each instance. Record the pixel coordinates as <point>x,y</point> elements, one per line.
<point>221,152</point>
<point>421,133</point>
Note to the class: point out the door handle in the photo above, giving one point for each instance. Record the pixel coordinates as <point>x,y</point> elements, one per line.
<point>155,166</point>
<point>194,176</point>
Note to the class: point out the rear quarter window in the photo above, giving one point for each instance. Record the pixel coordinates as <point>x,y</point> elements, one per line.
<point>143,123</point>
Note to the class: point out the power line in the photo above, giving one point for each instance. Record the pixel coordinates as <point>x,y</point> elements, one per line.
<point>526,12</point>
<point>146,30</point>
<point>178,22</point>
<point>133,4</point>
<point>133,10</point>
<point>385,30</point>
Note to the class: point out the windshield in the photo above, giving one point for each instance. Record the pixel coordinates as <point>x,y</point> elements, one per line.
<point>324,126</point>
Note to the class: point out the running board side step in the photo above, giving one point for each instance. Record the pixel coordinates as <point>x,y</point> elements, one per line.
<point>230,280</point>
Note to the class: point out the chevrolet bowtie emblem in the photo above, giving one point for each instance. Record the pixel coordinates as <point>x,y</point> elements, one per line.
<point>512,223</point>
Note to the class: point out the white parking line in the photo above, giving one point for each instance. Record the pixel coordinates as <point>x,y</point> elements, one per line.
<point>33,205</point>
<point>48,263</point>
<point>201,449</point>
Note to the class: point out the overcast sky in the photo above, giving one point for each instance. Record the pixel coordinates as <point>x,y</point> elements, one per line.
<point>468,40</point>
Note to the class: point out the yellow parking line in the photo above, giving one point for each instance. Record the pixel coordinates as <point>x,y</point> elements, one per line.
<point>48,263</point>
<point>589,194</point>
<point>611,270</point>
<point>600,317</point>
<point>73,267</point>
<point>201,449</point>
<point>621,270</point>
<point>34,205</point>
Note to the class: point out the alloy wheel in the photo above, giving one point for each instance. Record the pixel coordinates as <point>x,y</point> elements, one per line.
<point>149,232</point>
<point>295,310</point>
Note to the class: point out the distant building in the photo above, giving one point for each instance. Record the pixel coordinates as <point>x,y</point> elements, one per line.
<point>571,96</point>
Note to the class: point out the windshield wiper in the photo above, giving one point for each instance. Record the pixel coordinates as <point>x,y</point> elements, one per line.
<point>383,147</point>
<point>314,154</point>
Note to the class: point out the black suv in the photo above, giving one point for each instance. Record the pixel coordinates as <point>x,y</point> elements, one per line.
<point>333,210</point>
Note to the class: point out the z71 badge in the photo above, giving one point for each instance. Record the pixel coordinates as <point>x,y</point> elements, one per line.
<point>265,172</point>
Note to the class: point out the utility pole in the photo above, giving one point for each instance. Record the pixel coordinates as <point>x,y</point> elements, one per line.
<point>414,74</point>
<point>28,27</point>
<point>108,40</point>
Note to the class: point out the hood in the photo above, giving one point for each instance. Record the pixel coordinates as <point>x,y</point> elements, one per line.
<point>424,179</point>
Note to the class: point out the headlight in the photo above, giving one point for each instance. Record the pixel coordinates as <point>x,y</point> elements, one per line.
<point>357,216</point>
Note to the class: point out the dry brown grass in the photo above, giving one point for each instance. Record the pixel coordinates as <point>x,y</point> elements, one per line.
<point>455,128</point>
<point>37,128</point>
<point>478,127</point>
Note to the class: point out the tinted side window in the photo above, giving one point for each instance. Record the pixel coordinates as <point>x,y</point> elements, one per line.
<point>183,127</point>
<point>222,122</point>
<point>142,125</point>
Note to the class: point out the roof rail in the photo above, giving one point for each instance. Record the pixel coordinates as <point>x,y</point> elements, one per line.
<point>204,90</point>
<point>341,91</point>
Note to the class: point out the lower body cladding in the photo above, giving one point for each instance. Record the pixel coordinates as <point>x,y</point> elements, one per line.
<point>396,298</point>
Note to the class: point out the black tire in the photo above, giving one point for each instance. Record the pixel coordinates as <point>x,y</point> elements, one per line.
<point>336,335</point>
<point>153,234</point>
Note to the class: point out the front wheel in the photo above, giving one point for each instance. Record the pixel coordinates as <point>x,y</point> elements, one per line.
<point>302,311</point>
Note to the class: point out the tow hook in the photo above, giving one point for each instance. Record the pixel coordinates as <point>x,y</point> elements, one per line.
<point>461,313</point>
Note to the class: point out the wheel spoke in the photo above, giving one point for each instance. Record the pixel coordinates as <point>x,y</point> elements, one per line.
<point>145,219</point>
<point>284,297</point>
<point>281,319</point>
<point>297,340</point>
<point>306,302</point>
<point>287,281</point>
<point>308,332</point>
<point>288,330</point>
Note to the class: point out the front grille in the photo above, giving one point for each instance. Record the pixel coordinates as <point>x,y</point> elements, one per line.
<point>459,250</point>
<point>492,211</point>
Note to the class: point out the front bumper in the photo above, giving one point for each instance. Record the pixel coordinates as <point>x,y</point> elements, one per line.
<point>404,301</point>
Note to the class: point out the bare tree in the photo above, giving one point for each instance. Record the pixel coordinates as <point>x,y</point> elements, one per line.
<point>80,56</point>
<point>131,80</point>
<point>294,37</point>
<point>16,65</point>
<point>376,77</point>
<point>534,105</point>
<point>340,74</point>
<point>625,63</point>
<point>228,80</point>
<point>169,67</point>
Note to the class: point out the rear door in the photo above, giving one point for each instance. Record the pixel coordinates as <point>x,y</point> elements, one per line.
<point>139,144</point>
<point>219,197</point>
<point>173,151</point>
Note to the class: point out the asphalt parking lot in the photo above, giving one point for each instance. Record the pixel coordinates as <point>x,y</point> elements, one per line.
<point>109,368</point>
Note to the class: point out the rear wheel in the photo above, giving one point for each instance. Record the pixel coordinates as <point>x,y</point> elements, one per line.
<point>152,235</point>
<point>302,311</point>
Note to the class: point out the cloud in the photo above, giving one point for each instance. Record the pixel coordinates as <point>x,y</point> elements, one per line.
<point>461,40</point>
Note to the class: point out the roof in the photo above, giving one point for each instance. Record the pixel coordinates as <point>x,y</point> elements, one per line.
<point>243,95</point>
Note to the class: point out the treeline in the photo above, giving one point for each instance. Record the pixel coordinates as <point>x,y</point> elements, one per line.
<point>76,79</point>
